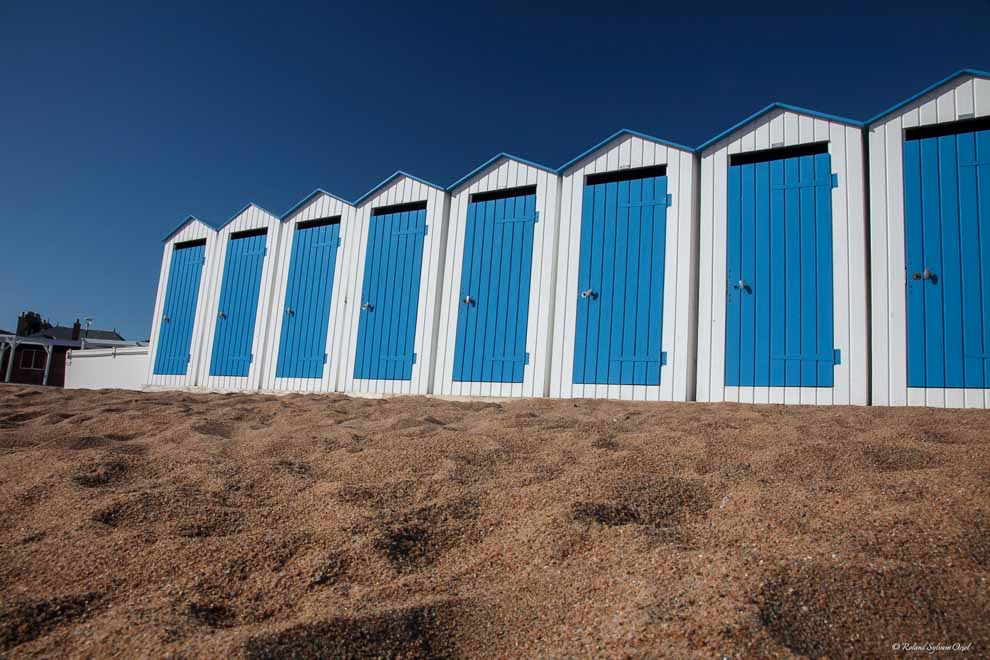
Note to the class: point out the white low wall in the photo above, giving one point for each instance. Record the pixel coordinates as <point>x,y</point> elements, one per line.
<point>105,368</point>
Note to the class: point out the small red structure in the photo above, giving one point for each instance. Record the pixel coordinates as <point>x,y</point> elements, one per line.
<point>39,354</point>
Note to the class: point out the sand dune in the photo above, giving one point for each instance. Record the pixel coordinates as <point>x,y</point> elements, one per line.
<point>311,526</point>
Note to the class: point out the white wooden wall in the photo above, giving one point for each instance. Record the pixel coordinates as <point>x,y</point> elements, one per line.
<point>193,230</point>
<point>784,128</point>
<point>963,97</point>
<point>502,174</point>
<point>123,368</point>
<point>679,302</point>
<point>252,217</point>
<point>402,190</point>
<point>318,207</point>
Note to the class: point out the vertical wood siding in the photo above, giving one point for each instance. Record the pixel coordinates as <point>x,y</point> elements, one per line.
<point>402,190</point>
<point>680,263</point>
<point>963,97</point>
<point>193,230</point>
<point>784,128</point>
<point>253,217</point>
<point>503,174</point>
<point>318,207</point>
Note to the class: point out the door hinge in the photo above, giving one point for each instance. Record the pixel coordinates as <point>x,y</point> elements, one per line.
<point>670,200</point>
<point>536,216</point>
<point>324,358</point>
<point>525,359</point>
<point>413,358</point>
<point>837,357</point>
<point>426,230</point>
<point>663,358</point>
<point>338,241</point>
<point>835,180</point>
<point>251,360</point>
<point>266,253</point>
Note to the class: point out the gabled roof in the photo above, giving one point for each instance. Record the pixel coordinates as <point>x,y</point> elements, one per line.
<point>615,136</point>
<point>491,161</point>
<point>976,73</point>
<point>778,106</point>
<point>246,207</point>
<point>64,333</point>
<point>189,218</point>
<point>398,174</point>
<point>305,200</point>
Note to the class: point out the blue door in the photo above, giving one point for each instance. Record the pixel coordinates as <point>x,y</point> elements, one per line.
<point>390,294</point>
<point>179,310</point>
<point>493,304</point>
<point>620,279</point>
<point>779,308</point>
<point>309,291</point>
<point>947,245</point>
<point>238,306</point>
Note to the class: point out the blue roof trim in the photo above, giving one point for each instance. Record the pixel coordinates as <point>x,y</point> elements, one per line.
<point>976,73</point>
<point>778,106</point>
<point>305,200</point>
<point>189,218</point>
<point>613,137</point>
<point>470,175</point>
<point>399,173</point>
<point>245,208</point>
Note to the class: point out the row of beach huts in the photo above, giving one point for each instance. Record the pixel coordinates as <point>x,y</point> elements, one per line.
<point>797,257</point>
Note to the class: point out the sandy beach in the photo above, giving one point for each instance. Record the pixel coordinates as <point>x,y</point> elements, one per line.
<point>246,525</point>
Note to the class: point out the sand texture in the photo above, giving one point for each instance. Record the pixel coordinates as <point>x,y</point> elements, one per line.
<point>245,525</point>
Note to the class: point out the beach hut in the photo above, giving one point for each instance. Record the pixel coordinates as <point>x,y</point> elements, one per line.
<point>394,289</point>
<point>782,302</point>
<point>308,308</point>
<point>930,246</point>
<point>498,297</point>
<point>239,286</point>
<point>624,318</point>
<point>180,315</point>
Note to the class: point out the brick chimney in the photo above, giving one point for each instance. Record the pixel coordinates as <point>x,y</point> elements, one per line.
<point>75,330</point>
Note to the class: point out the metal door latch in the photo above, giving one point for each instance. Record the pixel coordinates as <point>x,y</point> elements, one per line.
<point>223,315</point>
<point>468,300</point>
<point>367,306</point>
<point>741,285</point>
<point>923,275</point>
<point>589,293</point>
<point>167,319</point>
<point>290,311</point>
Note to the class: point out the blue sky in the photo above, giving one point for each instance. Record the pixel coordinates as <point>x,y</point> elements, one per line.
<point>118,121</point>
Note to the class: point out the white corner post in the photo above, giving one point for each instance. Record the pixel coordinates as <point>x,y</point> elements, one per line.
<point>48,363</point>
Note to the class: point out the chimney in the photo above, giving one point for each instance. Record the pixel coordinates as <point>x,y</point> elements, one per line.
<point>23,325</point>
<point>75,331</point>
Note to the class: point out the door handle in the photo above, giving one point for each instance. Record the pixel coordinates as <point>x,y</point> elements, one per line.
<point>223,315</point>
<point>367,306</point>
<point>167,319</point>
<point>588,293</point>
<point>924,275</point>
<point>468,300</point>
<point>741,285</point>
<point>290,311</point>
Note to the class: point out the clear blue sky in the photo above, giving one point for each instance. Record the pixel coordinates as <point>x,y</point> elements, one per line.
<point>118,121</point>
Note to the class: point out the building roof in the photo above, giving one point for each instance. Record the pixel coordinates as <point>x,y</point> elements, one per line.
<point>976,73</point>
<point>491,161</point>
<point>245,208</point>
<point>778,106</point>
<point>65,334</point>
<point>189,218</point>
<point>615,136</point>
<point>305,200</point>
<point>398,174</point>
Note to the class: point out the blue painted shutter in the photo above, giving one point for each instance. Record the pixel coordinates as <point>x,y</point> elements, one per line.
<point>238,307</point>
<point>779,304</point>
<point>619,322</point>
<point>179,310</point>
<point>309,292</point>
<point>946,208</point>
<point>495,278</point>
<point>390,296</point>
